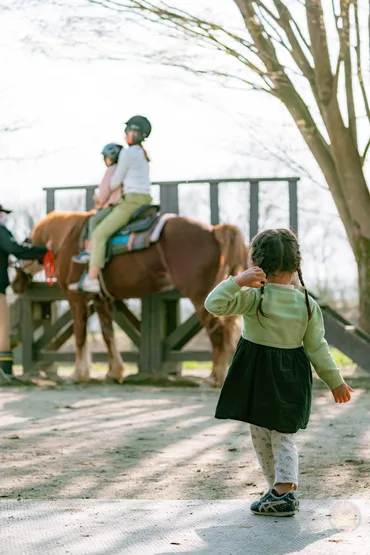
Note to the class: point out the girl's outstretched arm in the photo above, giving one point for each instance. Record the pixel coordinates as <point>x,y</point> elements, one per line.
<point>318,351</point>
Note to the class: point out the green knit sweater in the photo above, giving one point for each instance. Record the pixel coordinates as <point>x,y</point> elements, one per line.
<point>286,325</point>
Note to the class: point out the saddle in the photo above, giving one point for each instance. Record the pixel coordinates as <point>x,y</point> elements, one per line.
<point>136,235</point>
<point>141,220</point>
<point>143,229</point>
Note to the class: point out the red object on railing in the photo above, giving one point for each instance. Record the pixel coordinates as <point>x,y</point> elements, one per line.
<point>49,267</point>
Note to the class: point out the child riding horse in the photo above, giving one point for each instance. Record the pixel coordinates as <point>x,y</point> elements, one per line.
<point>132,173</point>
<point>110,154</point>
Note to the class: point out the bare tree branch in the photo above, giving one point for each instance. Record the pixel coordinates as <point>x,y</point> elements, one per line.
<point>217,74</point>
<point>345,45</point>
<point>296,50</point>
<point>320,51</point>
<point>359,60</point>
<point>14,127</point>
<point>363,157</point>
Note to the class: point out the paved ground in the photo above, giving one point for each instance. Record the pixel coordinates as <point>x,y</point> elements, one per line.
<point>152,443</point>
<point>129,527</point>
<point>105,469</point>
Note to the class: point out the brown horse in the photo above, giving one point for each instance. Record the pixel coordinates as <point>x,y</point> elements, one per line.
<point>189,256</point>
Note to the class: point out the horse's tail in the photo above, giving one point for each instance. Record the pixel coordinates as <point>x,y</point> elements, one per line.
<point>234,251</point>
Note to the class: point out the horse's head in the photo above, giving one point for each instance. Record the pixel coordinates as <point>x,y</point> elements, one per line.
<point>24,272</point>
<point>20,282</point>
<point>62,230</point>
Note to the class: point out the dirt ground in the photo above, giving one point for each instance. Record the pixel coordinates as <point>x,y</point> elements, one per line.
<point>132,441</point>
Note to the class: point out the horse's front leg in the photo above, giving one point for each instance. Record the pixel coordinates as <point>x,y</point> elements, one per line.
<point>104,309</point>
<point>79,309</point>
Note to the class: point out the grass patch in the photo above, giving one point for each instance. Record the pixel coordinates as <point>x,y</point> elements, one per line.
<point>194,365</point>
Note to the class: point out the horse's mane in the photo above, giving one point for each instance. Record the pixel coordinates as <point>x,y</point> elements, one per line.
<point>57,227</point>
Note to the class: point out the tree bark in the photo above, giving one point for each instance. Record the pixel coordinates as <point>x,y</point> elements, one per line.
<point>362,254</point>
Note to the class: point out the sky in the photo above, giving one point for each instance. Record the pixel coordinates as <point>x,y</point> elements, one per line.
<point>71,100</point>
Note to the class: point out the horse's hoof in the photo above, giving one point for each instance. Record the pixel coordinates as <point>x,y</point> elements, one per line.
<point>210,380</point>
<point>77,379</point>
<point>113,379</point>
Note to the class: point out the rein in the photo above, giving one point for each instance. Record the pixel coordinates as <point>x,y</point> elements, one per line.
<point>49,267</point>
<point>21,265</point>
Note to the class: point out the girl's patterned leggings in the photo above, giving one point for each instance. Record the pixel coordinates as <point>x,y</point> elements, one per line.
<point>277,455</point>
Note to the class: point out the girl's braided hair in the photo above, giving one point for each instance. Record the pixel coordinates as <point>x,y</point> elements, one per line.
<point>277,250</point>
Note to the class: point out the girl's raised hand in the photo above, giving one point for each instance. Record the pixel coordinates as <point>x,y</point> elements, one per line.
<point>253,277</point>
<point>342,394</point>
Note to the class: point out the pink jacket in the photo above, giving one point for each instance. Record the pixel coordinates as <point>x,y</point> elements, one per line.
<point>104,188</point>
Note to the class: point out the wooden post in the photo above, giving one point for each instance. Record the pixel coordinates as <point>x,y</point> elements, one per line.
<point>89,203</point>
<point>170,322</point>
<point>50,200</point>
<point>151,336</point>
<point>169,198</point>
<point>293,204</point>
<point>215,211</point>
<point>49,317</point>
<point>27,335</point>
<point>253,208</point>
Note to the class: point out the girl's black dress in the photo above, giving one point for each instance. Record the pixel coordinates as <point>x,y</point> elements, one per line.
<point>268,387</point>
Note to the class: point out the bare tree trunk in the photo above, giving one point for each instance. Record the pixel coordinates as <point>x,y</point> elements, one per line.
<point>362,254</point>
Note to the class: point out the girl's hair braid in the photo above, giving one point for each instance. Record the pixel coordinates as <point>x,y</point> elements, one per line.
<point>309,311</point>
<point>277,250</point>
<point>259,306</point>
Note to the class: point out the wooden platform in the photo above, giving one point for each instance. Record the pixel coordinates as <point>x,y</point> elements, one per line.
<point>158,336</point>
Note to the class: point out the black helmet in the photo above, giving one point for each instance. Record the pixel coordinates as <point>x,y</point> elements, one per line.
<point>112,151</point>
<point>141,124</point>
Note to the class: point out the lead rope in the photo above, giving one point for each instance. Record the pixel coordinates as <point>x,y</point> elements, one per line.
<point>49,267</point>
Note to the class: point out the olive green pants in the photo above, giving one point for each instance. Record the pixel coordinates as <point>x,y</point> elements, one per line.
<point>117,217</point>
<point>95,220</point>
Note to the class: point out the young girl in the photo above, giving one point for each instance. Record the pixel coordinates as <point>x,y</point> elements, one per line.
<point>131,174</point>
<point>269,383</point>
<point>110,154</point>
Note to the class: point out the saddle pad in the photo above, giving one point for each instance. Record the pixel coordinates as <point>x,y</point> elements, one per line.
<point>121,244</point>
<point>131,241</point>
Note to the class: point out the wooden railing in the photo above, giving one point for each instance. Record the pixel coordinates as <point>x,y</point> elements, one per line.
<point>169,197</point>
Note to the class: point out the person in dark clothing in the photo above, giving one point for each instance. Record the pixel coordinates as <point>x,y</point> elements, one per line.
<point>23,251</point>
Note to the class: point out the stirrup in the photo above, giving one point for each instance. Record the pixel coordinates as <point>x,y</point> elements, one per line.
<point>80,289</point>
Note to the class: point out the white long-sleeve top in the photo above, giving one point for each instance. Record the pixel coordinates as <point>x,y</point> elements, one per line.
<point>132,171</point>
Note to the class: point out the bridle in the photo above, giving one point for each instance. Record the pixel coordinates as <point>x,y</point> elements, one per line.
<point>22,265</point>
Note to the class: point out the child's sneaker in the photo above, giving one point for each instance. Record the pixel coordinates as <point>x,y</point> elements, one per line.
<point>82,258</point>
<point>273,504</point>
